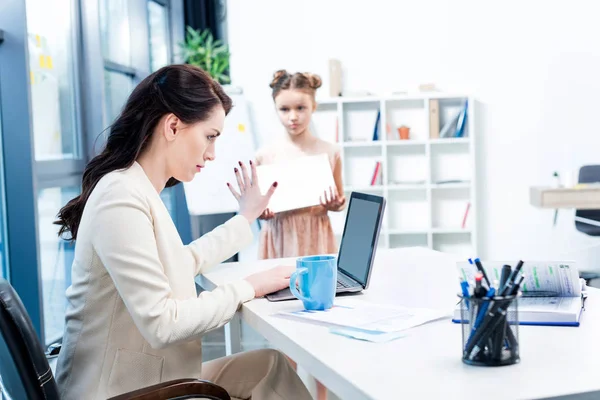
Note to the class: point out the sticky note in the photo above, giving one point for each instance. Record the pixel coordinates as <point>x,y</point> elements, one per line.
<point>49,62</point>
<point>241,128</point>
<point>42,61</point>
<point>38,41</point>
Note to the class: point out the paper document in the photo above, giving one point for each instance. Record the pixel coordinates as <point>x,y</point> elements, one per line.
<point>367,336</point>
<point>365,316</point>
<point>300,182</point>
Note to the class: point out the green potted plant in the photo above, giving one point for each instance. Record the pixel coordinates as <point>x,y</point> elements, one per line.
<point>200,49</point>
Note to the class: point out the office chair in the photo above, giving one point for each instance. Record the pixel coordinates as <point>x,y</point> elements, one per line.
<point>26,374</point>
<point>588,174</point>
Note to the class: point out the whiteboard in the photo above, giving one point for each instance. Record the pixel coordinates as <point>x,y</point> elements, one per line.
<point>208,192</point>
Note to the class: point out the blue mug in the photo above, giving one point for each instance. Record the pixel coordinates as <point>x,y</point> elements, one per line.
<point>316,278</point>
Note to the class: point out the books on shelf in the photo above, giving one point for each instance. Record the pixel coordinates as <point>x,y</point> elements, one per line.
<point>434,119</point>
<point>464,221</point>
<point>456,126</point>
<point>552,292</point>
<point>376,179</point>
<point>376,128</point>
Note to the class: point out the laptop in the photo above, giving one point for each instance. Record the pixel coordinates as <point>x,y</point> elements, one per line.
<point>357,248</point>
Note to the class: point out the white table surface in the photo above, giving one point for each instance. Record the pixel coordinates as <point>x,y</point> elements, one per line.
<point>427,362</point>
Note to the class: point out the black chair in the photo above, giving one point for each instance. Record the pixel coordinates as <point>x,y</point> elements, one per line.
<point>588,174</point>
<point>26,374</point>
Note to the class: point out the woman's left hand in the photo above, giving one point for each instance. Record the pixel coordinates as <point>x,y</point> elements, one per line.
<point>331,200</point>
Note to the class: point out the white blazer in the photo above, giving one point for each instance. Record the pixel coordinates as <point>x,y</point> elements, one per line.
<point>133,317</point>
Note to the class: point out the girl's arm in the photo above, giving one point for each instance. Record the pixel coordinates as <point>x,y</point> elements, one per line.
<point>335,199</point>
<point>339,185</point>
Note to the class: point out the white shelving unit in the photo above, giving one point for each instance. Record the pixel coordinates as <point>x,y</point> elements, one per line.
<point>427,181</point>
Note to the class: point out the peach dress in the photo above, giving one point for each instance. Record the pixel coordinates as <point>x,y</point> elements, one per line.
<point>300,232</point>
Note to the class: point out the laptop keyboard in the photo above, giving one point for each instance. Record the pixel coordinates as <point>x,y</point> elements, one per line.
<point>343,283</point>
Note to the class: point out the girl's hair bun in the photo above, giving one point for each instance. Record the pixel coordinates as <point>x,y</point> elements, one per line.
<point>277,76</point>
<point>314,80</point>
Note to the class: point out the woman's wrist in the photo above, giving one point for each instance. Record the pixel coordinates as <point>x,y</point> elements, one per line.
<point>249,218</point>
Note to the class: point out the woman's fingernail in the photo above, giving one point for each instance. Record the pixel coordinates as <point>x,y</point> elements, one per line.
<point>239,162</point>
<point>250,162</point>
<point>275,184</point>
<point>235,170</point>
<point>227,183</point>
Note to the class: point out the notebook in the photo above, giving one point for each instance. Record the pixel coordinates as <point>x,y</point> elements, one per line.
<point>552,292</point>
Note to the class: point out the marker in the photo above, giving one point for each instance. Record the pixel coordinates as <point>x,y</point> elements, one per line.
<point>506,270</point>
<point>480,268</point>
<point>479,290</point>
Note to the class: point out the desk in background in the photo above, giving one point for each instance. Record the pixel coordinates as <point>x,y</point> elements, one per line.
<point>427,362</point>
<point>584,197</point>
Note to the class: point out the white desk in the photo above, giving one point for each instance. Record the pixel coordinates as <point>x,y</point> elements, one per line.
<point>427,363</point>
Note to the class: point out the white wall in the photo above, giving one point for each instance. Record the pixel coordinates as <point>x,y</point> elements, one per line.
<point>533,65</point>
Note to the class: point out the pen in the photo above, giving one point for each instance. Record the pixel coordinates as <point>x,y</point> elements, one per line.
<point>465,291</point>
<point>513,275</point>
<point>482,270</point>
<point>510,282</point>
<point>482,310</point>
<point>501,330</point>
<point>506,270</point>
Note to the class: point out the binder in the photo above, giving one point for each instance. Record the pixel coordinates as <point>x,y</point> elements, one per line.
<point>335,78</point>
<point>434,119</point>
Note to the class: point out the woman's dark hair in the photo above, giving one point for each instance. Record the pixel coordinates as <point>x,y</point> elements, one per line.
<point>184,90</point>
<point>283,80</point>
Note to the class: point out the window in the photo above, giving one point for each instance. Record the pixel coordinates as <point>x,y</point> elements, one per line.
<point>158,25</point>
<point>43,146</point>
<point>118,86</point>
<point>115,31</point>
<point>56,259</point>
<point>52,79</point>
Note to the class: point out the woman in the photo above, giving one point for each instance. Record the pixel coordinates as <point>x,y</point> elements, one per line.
<point>133,316</point>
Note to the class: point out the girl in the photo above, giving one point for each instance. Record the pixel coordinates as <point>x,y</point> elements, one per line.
<point>134,318</point>
<point>306,231</point>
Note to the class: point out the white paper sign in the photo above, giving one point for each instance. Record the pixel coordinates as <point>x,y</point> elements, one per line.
<point>300,182</point>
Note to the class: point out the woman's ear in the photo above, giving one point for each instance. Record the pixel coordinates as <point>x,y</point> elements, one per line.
<point>171,127</point>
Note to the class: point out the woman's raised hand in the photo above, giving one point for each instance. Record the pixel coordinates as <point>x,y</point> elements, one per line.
<point>252,202</point>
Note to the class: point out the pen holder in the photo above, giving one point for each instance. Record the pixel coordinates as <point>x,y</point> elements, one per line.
<point>490,330</point>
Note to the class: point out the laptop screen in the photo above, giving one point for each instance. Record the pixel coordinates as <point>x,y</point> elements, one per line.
<point>361,230</point>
